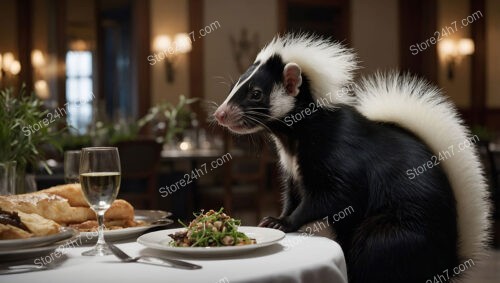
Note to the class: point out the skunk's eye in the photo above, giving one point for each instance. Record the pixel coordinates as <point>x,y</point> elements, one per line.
<point>256,94</point>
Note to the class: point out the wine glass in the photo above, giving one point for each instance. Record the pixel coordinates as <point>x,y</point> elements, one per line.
<point>100,180</point>
<point>72,166</point>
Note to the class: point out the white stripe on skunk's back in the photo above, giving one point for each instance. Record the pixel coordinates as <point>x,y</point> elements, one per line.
<point>422,109</point>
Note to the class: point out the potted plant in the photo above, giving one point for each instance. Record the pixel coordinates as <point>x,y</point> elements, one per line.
<point>25,126</point>
<point>172,119</point>
<point>176,118</point>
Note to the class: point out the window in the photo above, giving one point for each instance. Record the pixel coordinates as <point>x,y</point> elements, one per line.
<point>79,96</point>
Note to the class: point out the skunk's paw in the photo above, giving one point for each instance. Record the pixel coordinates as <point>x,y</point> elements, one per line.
<point>276,223</point>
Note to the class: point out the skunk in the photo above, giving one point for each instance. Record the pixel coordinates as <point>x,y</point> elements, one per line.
<point>394,149</point>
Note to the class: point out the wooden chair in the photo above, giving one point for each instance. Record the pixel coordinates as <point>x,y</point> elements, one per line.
<point>140,161</point>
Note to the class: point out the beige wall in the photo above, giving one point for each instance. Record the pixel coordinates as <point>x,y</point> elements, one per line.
<point>493,57</point>
<point>169,17</point>
<point>258,16</point>
<point>375,35</point>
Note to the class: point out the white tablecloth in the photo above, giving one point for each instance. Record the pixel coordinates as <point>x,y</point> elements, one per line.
<point>296,259</point>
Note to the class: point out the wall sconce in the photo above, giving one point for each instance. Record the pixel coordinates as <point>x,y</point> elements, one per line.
<point>9,64</point>
<point>37,59</point>
<point>38,62</point>
<point>42,89</point>
<point>169,50</point>
<point>452,52</point>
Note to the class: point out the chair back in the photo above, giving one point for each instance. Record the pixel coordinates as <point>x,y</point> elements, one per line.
<point>140,161</point>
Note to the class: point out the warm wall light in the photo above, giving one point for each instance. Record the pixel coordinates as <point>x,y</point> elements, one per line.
<point>42,89</point>
<point>161,43</point>
<point>168,50</point>
<point>182,43</point>
<point>452,52</point>
<point>15,67</point>
<point>447,47</point>
<point>8,59</point>
<point>465,46</point>
<point>8,65</point>
<point>37,58</point>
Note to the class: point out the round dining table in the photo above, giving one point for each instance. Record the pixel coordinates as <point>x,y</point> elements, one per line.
<point>296,258</point>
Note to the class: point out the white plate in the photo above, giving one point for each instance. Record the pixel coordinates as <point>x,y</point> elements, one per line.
<point>14,255</point>
<point>119,234</point>
<point>160,240</point>
<point>33,252</point>
<point>10,245</point>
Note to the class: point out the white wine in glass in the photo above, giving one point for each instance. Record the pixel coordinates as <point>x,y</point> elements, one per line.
<point>100,179</point>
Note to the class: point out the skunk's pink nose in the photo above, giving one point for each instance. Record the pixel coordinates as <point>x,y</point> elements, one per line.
<point>220,115</point>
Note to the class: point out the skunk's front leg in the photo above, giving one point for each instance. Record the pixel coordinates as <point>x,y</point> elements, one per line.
<point>291,199</point>
<point>307,211</point>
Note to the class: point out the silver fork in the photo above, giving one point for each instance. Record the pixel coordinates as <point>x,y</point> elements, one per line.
<point>152,259</point>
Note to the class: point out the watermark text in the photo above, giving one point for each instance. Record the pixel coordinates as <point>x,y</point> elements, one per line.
<point>51,117</point>
<point>443,155</point>
<point>446,31</point>
<point>446,275</point>
<point>318,226</point>
<point>188,178</point>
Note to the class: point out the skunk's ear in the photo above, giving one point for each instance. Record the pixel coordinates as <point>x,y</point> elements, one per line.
<point>292,78</point>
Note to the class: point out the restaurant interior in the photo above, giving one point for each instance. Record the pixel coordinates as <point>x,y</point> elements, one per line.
<point>145,76</point>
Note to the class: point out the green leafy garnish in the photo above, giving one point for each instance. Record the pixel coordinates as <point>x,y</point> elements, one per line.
<point>211,229</point>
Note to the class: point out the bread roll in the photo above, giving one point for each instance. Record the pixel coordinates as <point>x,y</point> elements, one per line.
<point>119,210</point>
<point>64,205</point>
<point>72,192</point>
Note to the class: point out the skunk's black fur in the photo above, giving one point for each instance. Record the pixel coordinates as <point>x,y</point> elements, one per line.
<point>401,230</point>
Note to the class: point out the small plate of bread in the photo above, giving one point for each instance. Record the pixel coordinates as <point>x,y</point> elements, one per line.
<point>60,212</point>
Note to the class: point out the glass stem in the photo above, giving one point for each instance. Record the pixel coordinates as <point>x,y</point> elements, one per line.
<point>100,229</point>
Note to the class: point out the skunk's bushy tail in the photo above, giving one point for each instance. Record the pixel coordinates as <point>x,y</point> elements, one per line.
<point>421,108</point>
